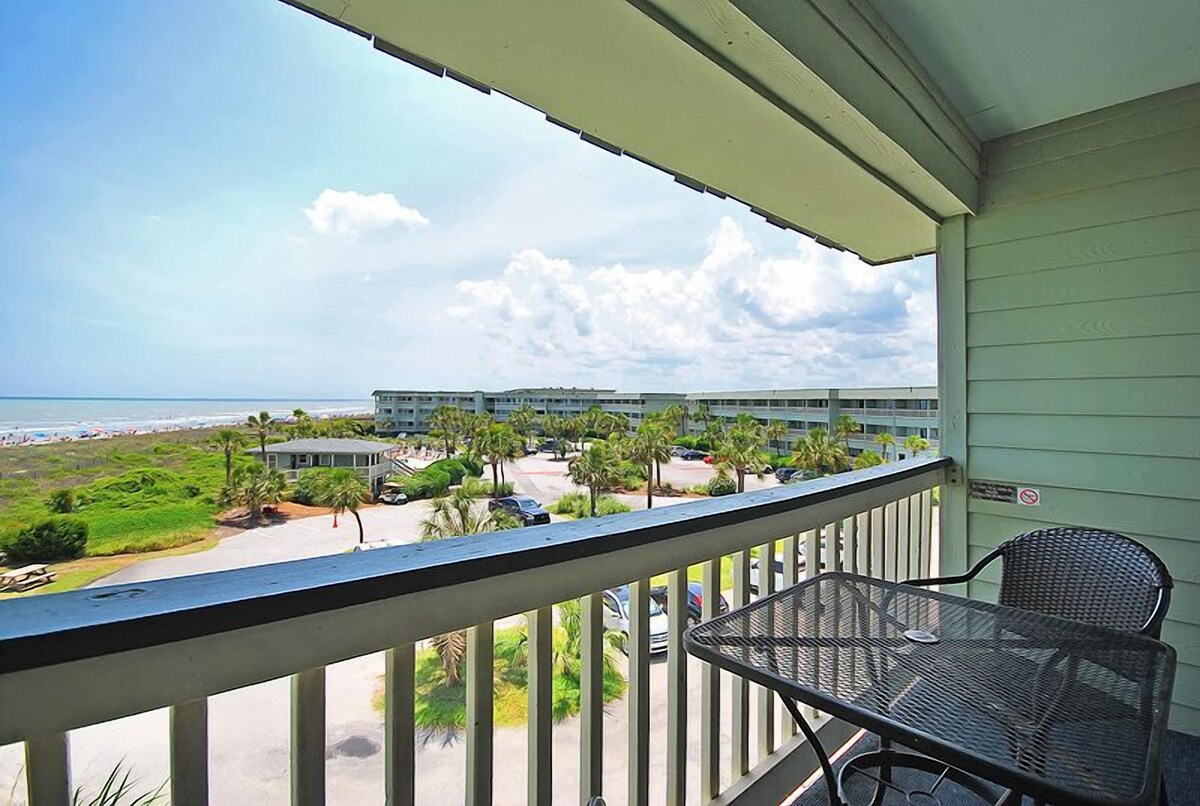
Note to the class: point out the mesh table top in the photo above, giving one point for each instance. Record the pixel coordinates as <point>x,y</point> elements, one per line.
<point>1046,706</point>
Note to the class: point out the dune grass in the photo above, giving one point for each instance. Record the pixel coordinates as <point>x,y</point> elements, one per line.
<point>136,494</point>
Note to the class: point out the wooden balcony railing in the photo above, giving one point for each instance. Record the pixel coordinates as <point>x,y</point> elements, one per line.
<point>74,659</point>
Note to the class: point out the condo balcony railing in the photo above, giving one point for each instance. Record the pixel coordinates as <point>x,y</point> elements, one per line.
<point>74,659</point>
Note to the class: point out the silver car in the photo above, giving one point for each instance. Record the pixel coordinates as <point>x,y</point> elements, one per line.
<point>616,618</point>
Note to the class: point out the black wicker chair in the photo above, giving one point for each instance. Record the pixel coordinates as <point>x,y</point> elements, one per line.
<point>1086,575</point>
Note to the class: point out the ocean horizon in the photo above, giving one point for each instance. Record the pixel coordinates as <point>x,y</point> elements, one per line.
<point>40,419</point>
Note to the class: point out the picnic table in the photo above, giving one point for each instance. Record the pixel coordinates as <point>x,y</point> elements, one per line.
<point>1049,708</point>
<point>22,579</point>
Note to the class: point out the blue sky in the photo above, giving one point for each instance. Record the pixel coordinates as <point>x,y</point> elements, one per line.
<point>236,199</point>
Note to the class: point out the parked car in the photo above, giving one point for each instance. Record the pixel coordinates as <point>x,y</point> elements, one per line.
<point>392,496</point>
<point>783,474</point>
<point>528,511</point>
<point>371,545</point>
<point>695,601</point>
<point>547,446</point>
<point>801,475</point>
<point>708,458</point>
<point>755,572</point>
<point>679,450</point>
<point>693,455</point>
<point>616,618</point>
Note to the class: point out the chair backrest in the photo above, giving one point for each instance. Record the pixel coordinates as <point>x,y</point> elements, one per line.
<point>1087,575</point>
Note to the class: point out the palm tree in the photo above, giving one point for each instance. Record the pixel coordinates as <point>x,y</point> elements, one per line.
<point>741,451</point>
<point>228,441</point>
<point>522,419</point>
<point>452,516</point>
<point>256,486</point>
<point>343,490</point>
<point>702,415</point>
<point>595,468</point>
<point>776,430</point>
<point>263,426</point>
<point>883,439</point>
<point>445,424</point>
<point>677,415</point>
<point>649,446</point>
<point>497,443</point>
<point>304,425</point>
<point>820,453</point>
<point>844,426</point>
<point>915,444</point>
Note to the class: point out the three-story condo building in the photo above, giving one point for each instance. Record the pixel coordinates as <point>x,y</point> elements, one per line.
<point>899,411</point>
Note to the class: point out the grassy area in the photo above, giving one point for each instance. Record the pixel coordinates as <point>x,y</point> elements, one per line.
<point>82,572</point>
<point>136,493</point>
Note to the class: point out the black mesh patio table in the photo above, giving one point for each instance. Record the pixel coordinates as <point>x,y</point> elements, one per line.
<point>1044,706</point>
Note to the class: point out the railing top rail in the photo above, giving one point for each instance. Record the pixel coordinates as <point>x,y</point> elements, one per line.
<point>58,628</point>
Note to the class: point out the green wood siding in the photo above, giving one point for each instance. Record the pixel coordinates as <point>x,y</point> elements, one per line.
<point>1082,332</point>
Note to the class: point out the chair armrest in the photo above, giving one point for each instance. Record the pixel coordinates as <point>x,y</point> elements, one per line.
<point>958,578</point>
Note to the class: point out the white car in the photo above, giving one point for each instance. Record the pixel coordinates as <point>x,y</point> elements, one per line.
<point>370,545</point>
<point>616,617</point>
<point>778,564</point>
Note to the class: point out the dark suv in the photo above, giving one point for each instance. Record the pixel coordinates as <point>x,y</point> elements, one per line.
<point>523,508</point>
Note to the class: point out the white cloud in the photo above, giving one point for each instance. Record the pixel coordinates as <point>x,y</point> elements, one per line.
<point>349,213</point>
<point>809,317</point>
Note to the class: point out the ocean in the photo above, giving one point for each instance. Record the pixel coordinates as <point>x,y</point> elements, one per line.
<point>27,419</point>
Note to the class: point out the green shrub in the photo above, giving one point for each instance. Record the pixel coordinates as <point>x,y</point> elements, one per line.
<point>473,465</point>
<point>453,467</point>
<point>702,444</point>
<point>307,488</point>
<point>62,501</point>
<point>427,483</point>
<point>578,505</point>
<point>777,459</point>
<point>686,442</point>
<point>607,505</point>
<point>51,539</point>
<point>721,485</point>
<point>698,489</point>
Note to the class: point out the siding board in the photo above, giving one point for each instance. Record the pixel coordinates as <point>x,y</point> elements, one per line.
<point>1153,156</point>
<point>1122,279</point>
<point>1161,235</point>
<point>1147,357</point>
<point>1133,436</point>
<point>1149,397</point>
<point>1161,315</point>
<point>1138,475</point>
<point>1184,114</point>
<point>1135,199</point>
<point>1166,518</point>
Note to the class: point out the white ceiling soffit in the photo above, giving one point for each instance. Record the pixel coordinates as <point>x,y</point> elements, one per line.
<point>647,80</point>
<point>1011,65</point>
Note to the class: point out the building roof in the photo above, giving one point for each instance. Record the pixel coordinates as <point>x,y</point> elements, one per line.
<point>359,446</point>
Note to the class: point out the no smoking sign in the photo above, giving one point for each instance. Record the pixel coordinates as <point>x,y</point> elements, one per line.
<point>1028,496</point>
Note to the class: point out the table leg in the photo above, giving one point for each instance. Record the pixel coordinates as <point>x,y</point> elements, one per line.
<point>822,756</point>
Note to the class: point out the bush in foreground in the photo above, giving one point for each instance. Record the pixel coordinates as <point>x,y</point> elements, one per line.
<point>722,485</point>
<point>48,540</point>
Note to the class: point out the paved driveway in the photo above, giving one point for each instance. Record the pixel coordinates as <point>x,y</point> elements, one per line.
<point>293,540</point>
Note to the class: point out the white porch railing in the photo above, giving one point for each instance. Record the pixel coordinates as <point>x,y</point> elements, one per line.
<point>128,649</point>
